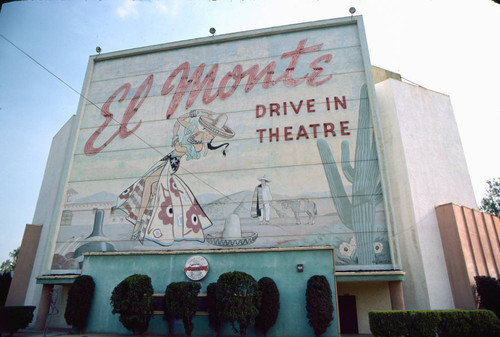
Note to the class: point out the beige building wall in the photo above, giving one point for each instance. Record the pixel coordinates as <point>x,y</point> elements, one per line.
<point>426,167</point>
<point>369,296</point>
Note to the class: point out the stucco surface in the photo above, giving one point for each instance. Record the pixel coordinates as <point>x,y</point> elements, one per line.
<point>47,206</point>
<point>369,296</point>
<point>420,129</point>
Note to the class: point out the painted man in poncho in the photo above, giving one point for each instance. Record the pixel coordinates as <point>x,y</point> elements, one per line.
<point>261,201</point>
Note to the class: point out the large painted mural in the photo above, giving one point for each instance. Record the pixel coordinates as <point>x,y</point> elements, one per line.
<point>262,139</point>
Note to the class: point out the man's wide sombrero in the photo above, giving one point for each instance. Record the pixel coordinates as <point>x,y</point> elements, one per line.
<point>217,126</point>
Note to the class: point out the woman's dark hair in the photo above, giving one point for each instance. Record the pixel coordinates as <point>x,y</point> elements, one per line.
<point>215,147</point>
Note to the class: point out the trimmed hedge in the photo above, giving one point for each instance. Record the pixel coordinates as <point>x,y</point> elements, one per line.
<point>214,316</point>
<point>426,323</point>
<point>79,302</point>
<point>132,299</point>
<point>488,293</point>
<point>181,300</point>
<point>389,323</point>
<point>454,323</point>
<point>319,304</point>
<point>423,323</point>
<point>270,305</point>
<point>484,323</point>
<point>5,280</point>
<point>238,297</point>
<point>15,318</point>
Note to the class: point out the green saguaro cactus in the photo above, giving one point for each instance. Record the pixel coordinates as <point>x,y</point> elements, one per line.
<point>357,214</point>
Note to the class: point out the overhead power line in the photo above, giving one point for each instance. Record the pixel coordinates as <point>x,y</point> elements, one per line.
<point>70,87</point>
<point>95,105</point>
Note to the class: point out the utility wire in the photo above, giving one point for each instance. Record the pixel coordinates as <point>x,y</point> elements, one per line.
<point>73,89</point>
<point>95,105</point>
<point>47,70</point>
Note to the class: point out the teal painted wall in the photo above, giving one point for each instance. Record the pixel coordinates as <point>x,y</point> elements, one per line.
<point>280,265</point>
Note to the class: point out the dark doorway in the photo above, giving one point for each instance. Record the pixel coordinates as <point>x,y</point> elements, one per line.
<point>348,316</point>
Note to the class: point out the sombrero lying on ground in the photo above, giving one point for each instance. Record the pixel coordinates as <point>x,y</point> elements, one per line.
<point>232,235</point>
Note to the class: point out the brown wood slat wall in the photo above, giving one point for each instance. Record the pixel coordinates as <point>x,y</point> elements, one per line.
<point>471,246</point>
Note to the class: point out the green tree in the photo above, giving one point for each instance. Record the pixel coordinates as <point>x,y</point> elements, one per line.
<point>270,305</point>
<point>319,304</point>
<point>491,201</point>
<point>239,298</point>
<point>9,265</point>
<point>132,299</point>
<point>214,316</point>
<point>15,318</point>
<point>5,280</point>
<point>80,297</point>
<point>488,293</point>
<point>181,299</point>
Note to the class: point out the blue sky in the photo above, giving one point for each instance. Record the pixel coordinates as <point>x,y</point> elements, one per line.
<point>447,46</point>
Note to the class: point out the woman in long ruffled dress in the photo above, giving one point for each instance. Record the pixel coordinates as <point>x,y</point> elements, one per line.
<point>160,205</point>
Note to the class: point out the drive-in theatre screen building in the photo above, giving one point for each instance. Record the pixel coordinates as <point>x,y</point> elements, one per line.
<point>259,151</point>
<point>273,129</point>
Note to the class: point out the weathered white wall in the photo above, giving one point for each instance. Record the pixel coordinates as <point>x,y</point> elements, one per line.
<point>46,207</point>
<point>427,168</point>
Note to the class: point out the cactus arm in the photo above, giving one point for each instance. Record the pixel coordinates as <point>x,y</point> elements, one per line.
<point>366,181</point>
<point>363,137</point>
<point>366,169</point>
<point>337,189</point>
<point>375,188</point>
<point>378,197</point>
<point>347,168</point>
<point>364,174</point>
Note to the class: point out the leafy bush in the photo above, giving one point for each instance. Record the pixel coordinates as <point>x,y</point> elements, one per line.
<point>389,323</point>
<point>5,280</point>
<point>214,319</point>
<point>132,298</point>
<point>270,306</point>
<point>181,301</point>
<point>79,301</point>
<point>425,323</point>
<point>319,304</point>
<point>484,323</point>
<point>488,291</point>
<point>15,318</point>
<point>454,323</point>
<point>239,298</point>
<point>468,323</point>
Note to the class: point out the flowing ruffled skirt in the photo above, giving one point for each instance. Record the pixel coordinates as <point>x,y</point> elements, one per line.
<point>162,208</point>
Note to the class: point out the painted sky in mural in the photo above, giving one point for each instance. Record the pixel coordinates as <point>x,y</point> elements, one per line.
<point>264,141</point>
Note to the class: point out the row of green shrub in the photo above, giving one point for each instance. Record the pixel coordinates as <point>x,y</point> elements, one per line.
<point>236,298</point>
<point>426,323</point>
